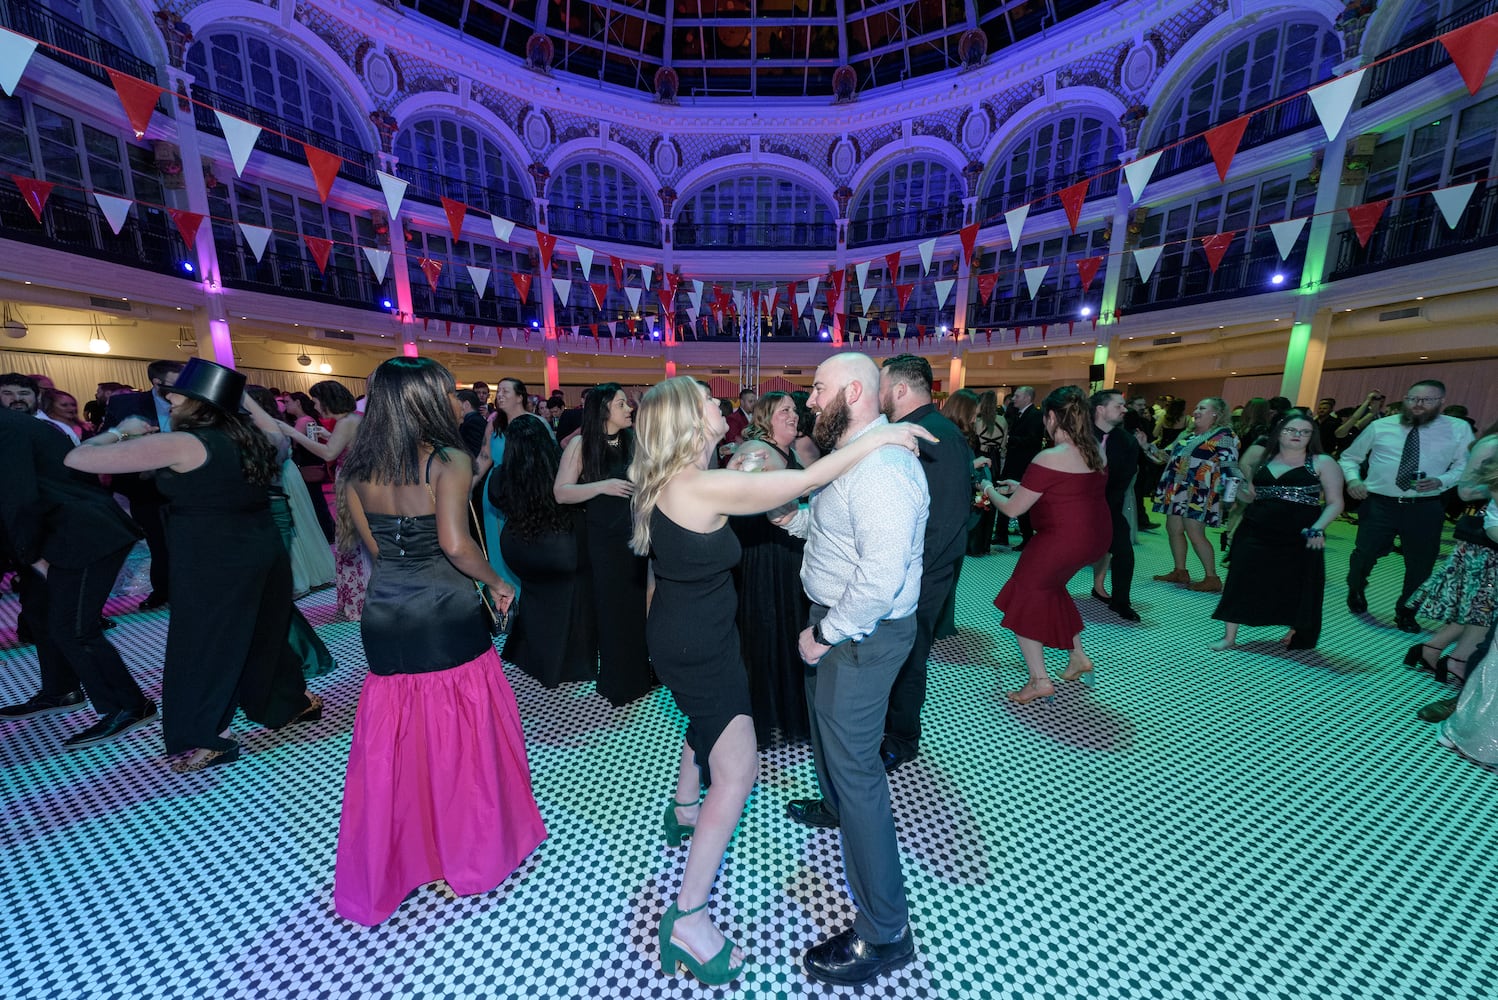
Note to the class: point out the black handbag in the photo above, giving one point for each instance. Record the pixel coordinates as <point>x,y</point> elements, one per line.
<point>1469,528</point>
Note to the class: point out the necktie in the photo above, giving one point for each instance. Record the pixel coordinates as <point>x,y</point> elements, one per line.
<point>1409,460</point>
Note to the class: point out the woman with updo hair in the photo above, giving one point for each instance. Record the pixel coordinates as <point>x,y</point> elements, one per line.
<point>1063,491</point>
<point>1191,490</point>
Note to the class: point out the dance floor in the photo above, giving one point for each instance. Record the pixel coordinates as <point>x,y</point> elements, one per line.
<point>1243,825</point>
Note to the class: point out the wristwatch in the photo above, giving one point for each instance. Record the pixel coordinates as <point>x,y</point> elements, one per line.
<point>816,633</point>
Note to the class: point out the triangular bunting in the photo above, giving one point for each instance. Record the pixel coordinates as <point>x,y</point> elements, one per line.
<point>1285,235</point>
<point>115,210</point>
<point>892,265</point>
<point>600,291</point>
<point>986,283</point>
<point>585,258</point>
<point>502,228</point>
<point>188,224</point>
<point>617,266</point>
<point>969,236</point>
<point>379,260</point>
<point>812,284</point>
<point>320,248</point>
<point>1072,199</point>
<point>673,282</point>
<point>1087,270</point>
<point>802,298</point>
<point>1453,201</point>
<point>15,54</point>
<point>137,97</point>
<point>1223,142</point>
<point>902,294</point>
<point>1215,246</point>
<point>901,327</point>
<point>861,272</point>
<point>394,189</point>
<point>1138,173</point>
<point>943,289</point>
<point>431,268</point>
<point>546,243</point>
<point>522,284</point>
<point>324,168</point>
<point>1333,99</point>
<point>562,287</point>
<point>863,325</point>
<point>241,136</point>
<point>1145,258</point>
<point>479,276</point>
<point>1014,221</point>
<point>454,210</point>
<point>927,248</point>
<point>1365,217</point>
<point>816,316</point>
<point>1472,47</point>
<point>866,296</point>
<point>646,274</point>
<point>256,237</point>
<point>633,294</point>
<point>1034,276</point>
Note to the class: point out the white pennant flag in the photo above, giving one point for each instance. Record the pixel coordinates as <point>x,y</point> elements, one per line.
<point>927,249</point>
<point>1138,173</point>
<point>802,298</point>
<point>255,237</point>
<point>1145,259</point>
<point>563,288</point>
<point>901,328</point>
<point>943,289</point>
<point>697,287</point>
<point>738,301</point>
<point>817,314</point>
<point>1034,276</point>
<point>1453,201</point>
<point>863,325</point>
<point>692,315</point>
<point>480,278</point>
<point>502,228</point>
<point>694,295</point>
<point>646,273</point>
<point>771,296</point>
<point>378,260</point>
<point>241,136</point>
<point>866,295</point>
<point>15,53</point>
<point>861,271</point>
<point>1014,220</point>
<point>811,287</point>
<point>115,210</point>
<point>1285,235</point>
<point>633,294</point>
<point>1332,101</point>
<point>585,258</point>
<point>395,191</point>
<point>779,315</point>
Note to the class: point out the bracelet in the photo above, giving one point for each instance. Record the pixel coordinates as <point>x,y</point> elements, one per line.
<point>1313,532</point>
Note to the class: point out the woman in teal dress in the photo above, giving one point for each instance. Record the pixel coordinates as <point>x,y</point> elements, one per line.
<point>509,398</point>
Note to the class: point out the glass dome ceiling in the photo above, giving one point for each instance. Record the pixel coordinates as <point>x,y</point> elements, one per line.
<point>751,48</point>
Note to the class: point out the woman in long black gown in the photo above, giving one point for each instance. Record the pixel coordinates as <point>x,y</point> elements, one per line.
<point>553,637</point>
<point>593,473</point>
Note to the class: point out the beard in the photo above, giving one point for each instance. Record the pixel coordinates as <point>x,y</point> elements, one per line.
<point>1409,419</point>
<point>832,422</point>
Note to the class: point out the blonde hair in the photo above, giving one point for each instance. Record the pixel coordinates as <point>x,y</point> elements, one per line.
<point>669,437</point>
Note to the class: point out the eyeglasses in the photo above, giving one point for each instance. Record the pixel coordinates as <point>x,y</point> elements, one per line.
<point>1300,433</point>
<point>1423,400</point>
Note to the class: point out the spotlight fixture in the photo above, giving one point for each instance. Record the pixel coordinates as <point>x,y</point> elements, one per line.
<point>1086,311</point>
<point>1278,279</point>
<point>188,267</point>
<point>386,304</point>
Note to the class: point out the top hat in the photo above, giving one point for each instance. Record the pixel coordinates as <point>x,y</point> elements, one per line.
<point>211,383</point>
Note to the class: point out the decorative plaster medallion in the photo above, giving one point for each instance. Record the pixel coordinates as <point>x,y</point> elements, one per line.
<point>537,131</point>
<point>975,130</point>
<point>1138,68</point>
<point>379,74</point>
<point>844,159</point>
<point>667,159</point>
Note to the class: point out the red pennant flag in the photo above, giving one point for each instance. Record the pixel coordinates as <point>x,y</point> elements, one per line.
<point>969,236</point>
<point>629,324</point>
<point>672,280</point>
<point>1071,200</point>
<point>431,268</point>
<point>426,324</point>
<point>527,335</point>
<point>1094,324</point>
<point>547,243</point>
<point>447,330</point>
<point>618,267</point>
<point>320,249</point>
<point>892,265</point>
<point>1223,142</point>
<point>718,294</point>
<point>902,293</point>
<point>790,292</point>
<point>1043,328</point>
<point>137,97</point>
<point>986,283</point>
<point>1087,270</point>
<point>1016,335</point>
<point>35,193</point>
<point>990,336</point>
<point>666,295</point>
<point>1215,246</point>
<point>1071,327</point>
<point>1365,217</point>
<point>455,211</point>
<point>471,331</point>
<point>188,224</point>
<point>835,283</point>
<point>522,284</point>
<point>324,168</point>
<point>600,289</point>
<point>1472,47</point>
<point>595,330</point>
<point>920,332</point>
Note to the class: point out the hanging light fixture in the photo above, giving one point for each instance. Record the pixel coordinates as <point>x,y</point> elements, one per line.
<point>96,342</point>
<point>303,360</point>
<point>325,368</point>
<point>14,326</point>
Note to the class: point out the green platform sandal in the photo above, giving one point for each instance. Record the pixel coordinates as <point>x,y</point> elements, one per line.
<point>675,829</point>
<point>716,971</point>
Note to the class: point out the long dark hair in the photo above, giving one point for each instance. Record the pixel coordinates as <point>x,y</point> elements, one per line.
<point>1313,440</point>
<point>333,398</point>
<point>407,407</point>
<point>309,408</point>
<point>257,457</point>
<point>523,481</point>
<point>595,438</point>
<point>1074,416</point>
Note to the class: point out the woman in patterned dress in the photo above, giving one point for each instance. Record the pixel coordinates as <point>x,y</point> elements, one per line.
<point>1190,490</point>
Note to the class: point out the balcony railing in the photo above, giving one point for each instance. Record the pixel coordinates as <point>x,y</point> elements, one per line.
<point>463,306</point>
<point>1387,77</point>
<point>907,225</point>
<point>343,283</point>
<point>1248,271</point>
<point>1416,231</point>
<point>998,201</point>
<point>358,166</point>
<point>756,236</point>
<point>604,226</point>
<point>1265,126</point>
<point>32,18</point>
<point>147,239</point>
<point>430,187</point>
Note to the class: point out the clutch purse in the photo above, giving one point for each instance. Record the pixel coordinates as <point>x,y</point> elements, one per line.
<point>497,621</point>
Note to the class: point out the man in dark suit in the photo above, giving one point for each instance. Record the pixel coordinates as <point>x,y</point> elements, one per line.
<point>147,505</point>
<point>905,396</point>
<point>1121,449</point>
<point>70,539</point>
<point>1026,439</point>
<point>474,426</point>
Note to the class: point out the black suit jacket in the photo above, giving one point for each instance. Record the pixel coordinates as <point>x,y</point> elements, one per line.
<point>948,465</point>
<point>138,488</point>
<point>1122,452</point>
<point>49,511</point>
<point>1026,439</point>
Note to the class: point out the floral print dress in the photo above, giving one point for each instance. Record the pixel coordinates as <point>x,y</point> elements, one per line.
<point>1191,485</point>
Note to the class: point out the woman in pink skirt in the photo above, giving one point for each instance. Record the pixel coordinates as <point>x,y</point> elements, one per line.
<point>438,783</point>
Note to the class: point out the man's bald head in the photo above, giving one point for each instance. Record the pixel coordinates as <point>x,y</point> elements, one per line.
<point>845,395</point>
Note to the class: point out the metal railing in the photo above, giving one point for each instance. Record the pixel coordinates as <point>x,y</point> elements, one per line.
<point>431,187</point>
<point>907,225</point>
<point>343,282</point>
<point>463,306</point>
<point>358,165</point>
<point>604,226</point>
<point>1401,71</point>
<point>1243,271</point>
<point>997,201</point>
<point>1265,126</point>
<point>1416,231</point>
<point>40,23</point>
<point>147,239</point>
<point>756,236</point>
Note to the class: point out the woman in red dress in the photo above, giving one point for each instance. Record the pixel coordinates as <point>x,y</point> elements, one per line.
<point>1073,529</point>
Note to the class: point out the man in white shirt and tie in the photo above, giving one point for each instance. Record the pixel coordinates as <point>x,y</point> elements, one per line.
<point>1412,458</point>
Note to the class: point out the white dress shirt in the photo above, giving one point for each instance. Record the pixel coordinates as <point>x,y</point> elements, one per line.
<point>65,428</point>
<point>1444,443</point>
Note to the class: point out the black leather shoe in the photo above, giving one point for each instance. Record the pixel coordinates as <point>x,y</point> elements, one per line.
<point>152,602</point>
<point>1404,620</point>
<point>110,727</point>
<point>107,623</point>
<point>1357,603</point>
<point>42,704</point>
<point>1128,614</point>
<point>811,812</point>
<point>849,960</point>
<point>1437,711</point>
<point>892,759</point>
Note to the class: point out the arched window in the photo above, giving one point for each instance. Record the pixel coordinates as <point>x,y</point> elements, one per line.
<point>1051,155</point>
<point>592,198</point>
<point>439,156</point>
<point>1060,298</point>
<point>756,211</point>
<point>1421,20</point>
<point>909,198</point>
<point>96,16</point>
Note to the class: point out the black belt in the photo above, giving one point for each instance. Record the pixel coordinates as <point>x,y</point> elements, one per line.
<point>1433,499</point>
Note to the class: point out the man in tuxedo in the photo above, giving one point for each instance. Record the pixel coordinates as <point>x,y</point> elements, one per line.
<point>905,396</point>
<point>1026,439</point>
<point>474,425</point>
<point>1121,449</point>
<point>70,539</point>
<point>147,505</point>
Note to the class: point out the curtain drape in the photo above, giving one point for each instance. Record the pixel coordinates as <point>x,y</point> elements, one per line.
<point>80,374</point>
